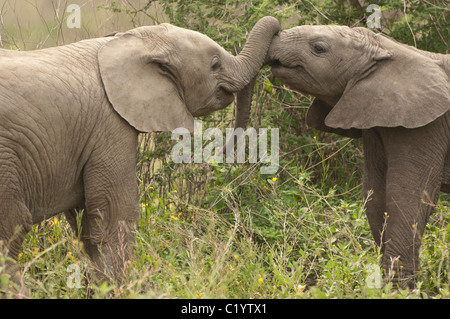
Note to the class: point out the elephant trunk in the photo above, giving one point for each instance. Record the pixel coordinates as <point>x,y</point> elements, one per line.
<point>245,67</point>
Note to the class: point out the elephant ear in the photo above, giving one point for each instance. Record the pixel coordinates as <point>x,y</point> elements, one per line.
<point>137,86</point>
<point>402,89</point>
<point>316,115</point>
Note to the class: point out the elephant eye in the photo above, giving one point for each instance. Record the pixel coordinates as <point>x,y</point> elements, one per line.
<point>216,64</point>
<point>319,48</point>
<point>165,69</point>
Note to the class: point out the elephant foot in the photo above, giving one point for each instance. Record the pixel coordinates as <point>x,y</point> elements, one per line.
<point>112,253</point>
<point>401,282</point>
<point>400,276</point>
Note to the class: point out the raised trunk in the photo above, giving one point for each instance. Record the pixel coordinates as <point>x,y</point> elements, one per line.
<point>244,68</point>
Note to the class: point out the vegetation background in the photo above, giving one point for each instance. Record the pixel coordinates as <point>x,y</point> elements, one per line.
<point>223,230</point>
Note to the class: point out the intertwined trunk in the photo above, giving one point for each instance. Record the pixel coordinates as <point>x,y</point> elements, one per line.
<point>245,67</point>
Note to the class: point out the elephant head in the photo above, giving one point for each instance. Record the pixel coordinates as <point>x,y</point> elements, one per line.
<point>360,79</point>
<point>158,77</point>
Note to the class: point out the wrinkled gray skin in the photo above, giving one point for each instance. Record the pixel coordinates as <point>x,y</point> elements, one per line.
<point>70,118</point>
<point>397,98</point>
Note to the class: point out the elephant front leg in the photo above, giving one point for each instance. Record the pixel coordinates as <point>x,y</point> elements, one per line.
<point>112,210</point>
<point>374,184</point>
<point>110,220</point>
<point>79,222</point>
<point>407,213</point>
<point>15,223</point>
<point>414,175</point>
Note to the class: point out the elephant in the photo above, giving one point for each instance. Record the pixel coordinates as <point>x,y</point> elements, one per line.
<point>71,115</point>
<point>397,98</point>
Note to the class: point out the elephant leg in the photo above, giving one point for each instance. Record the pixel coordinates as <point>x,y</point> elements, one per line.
<point>15,223</point>
<point>445,187</point>
<point>374,183</point>
<point>80,225</point>
<point>112,212</point>
<point>72,218</point>
<point>415,165</point>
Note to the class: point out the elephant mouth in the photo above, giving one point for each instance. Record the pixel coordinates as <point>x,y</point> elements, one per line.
<point>277,67</point>
<point>224,97</point>
<point>227,93</point>
<point>285,71</point>
<point>218,101</point>
<point>275,63</point>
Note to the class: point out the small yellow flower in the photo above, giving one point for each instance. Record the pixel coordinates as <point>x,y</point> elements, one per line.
<point>260,280</point>
<point>151,187</point>
<point>274,179</point>
<point>179,214</point>
<point>301,288</point>
<point>35,251</point>
<point>173,217</point>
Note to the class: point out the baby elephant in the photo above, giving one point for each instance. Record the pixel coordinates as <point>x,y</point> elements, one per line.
<point>397,98</point>
<point>70,118</point>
